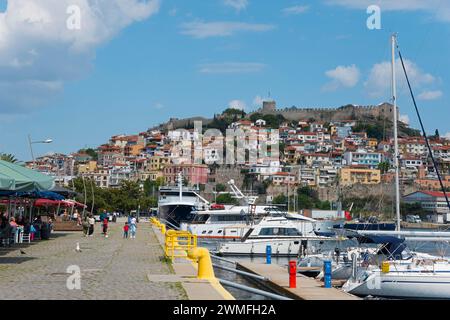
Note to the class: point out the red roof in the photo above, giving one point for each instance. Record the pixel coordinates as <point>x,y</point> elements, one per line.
<point>434,193</point>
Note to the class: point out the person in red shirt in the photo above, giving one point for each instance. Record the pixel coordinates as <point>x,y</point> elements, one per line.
<point>126,227</point>
<point>105,227</point>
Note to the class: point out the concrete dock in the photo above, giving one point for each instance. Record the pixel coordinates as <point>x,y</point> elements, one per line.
<point>307,288</point>
<point>185,273</point>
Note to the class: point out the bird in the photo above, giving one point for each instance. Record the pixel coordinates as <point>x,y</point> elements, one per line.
<point>78,247</point>
<point>22,252</point>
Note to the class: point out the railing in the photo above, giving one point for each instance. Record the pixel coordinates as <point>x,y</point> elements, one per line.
<point>179,243</point>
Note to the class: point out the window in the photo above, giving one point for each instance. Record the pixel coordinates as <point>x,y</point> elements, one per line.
<point>292,232</point>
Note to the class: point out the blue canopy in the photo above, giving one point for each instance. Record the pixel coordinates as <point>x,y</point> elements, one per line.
<point>33,195</point>
<point>392,246</point>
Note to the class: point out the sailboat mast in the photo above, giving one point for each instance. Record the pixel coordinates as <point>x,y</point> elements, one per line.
<point>396,152</point>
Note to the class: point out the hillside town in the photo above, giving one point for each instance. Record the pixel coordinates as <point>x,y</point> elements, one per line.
<point>332,152</point>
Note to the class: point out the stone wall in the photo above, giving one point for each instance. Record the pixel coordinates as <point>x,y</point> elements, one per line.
<point>349,112</point>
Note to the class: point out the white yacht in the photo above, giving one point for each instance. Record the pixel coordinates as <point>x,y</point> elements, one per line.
<point>281,234</point>
<point>233,222</point>
<point>415,278</point>
<point>177,204</point>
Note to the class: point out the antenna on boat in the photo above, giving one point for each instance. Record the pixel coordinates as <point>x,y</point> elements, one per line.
<point>180,185</point>
<point>396,152</point>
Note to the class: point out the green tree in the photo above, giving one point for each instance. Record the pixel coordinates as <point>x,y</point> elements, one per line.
<point>8,157</point>
<point>93,153</point>
<point>220,187</point>
<point>226,198</point>
<point>436,134</point>
<point>280,199</point>
<point>384,167</point>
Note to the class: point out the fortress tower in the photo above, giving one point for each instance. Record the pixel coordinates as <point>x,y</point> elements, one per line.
<point>269,106</point>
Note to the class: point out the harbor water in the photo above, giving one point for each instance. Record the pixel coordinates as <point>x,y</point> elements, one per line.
<point>434,248</point>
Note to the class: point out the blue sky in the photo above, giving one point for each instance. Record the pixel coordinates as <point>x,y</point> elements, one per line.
<point>136,67</point>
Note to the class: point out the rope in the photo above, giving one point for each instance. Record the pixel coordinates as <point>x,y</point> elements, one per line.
<point>423,129</point>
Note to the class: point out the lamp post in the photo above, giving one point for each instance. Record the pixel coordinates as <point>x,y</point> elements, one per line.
<point>30,142</point>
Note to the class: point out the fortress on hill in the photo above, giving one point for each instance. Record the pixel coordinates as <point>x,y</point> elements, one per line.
<point>348,112</point>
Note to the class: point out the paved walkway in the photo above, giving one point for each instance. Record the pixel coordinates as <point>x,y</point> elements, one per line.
<point>111,268</point>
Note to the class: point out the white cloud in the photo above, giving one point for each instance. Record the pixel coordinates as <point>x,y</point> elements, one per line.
<point>430,95</point>
<point>201,30</point>
<point>379,81</point>
<point>38,53</point>
<point>173,12</point>
<point>294,10</point>
<point>258,101</point>
<point>159,106</point>
<point>231,67</point>
<point>447,136</point>
<point>237,104</point>
<point>404,118</point>
<point>342,76</point>
<point>238,5</point>
<point>439,8</point>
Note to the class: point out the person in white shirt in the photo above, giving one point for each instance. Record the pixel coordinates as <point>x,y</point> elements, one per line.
<point>133,228</point>
<point>91,225</point>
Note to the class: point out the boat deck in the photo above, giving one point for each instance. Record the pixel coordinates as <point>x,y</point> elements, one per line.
<point>307,288</point>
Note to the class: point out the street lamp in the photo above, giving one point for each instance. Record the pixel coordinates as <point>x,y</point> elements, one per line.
<point>35,142</point>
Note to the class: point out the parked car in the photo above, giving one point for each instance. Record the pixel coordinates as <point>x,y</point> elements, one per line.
<point>413,219</point>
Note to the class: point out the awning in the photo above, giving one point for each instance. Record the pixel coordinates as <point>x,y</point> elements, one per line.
<point>14,177</point>
<point>32,195</point>
<point>46,203</point>
<point>6,183</point>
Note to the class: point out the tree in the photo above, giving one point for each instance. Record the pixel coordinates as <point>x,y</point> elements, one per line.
<point>280,199</point>
<point>8,158</point>
<point>384,167</point>
<point>226,198</point>
<point>436,134</point>
<point>93,153</point>
<point>220,187</point>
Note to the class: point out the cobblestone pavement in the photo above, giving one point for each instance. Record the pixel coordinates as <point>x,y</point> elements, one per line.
<point>111,268</point>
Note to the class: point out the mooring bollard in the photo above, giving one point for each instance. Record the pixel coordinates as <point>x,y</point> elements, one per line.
<point>205,267</point>
<point>292,274</point>
<point>327,273</point>
<point>268,254</point>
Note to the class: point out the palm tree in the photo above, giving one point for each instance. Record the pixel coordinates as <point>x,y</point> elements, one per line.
<point>8,158</point>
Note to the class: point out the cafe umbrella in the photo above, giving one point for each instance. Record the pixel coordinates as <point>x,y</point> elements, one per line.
<point>14,177</point>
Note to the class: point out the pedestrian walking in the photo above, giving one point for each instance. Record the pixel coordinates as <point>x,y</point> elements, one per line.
<point>105,227</point>
<point>85,226</point>
<point>91,225</point>
<point>126,227</point>
<point>133,228</point>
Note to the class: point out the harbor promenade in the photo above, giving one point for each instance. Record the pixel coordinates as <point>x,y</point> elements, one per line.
<point>111,268</point>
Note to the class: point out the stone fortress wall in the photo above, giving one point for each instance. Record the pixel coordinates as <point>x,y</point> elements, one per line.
<point>349,112</point>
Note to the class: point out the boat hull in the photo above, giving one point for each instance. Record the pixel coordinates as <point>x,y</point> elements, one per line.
<point>403,285</point>
<point>176,214</point>
<point>280,248</point>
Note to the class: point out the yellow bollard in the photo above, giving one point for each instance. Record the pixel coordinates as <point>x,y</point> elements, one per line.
<point>205,268</point>
<point>163,229</point>
<point>385,268</point>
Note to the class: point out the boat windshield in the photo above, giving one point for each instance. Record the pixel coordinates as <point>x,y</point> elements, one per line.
<point>279,232</point>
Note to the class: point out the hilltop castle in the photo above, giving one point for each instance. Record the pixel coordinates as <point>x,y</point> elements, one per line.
<point>348,112</point>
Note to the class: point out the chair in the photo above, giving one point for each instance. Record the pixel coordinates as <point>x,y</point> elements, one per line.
<point>25,237</point>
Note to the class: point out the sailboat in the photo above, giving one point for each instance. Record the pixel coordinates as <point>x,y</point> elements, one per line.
<point>419,276</point>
